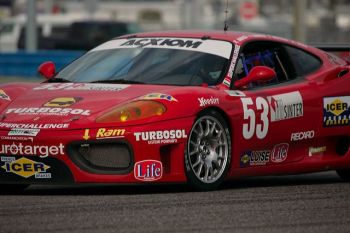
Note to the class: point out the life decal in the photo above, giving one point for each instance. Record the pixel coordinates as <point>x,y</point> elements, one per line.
<point>278,154</point>
<point>336,111</point>
<point>256,112</point>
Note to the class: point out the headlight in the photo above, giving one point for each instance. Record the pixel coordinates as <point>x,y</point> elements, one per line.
<point>136,110</point>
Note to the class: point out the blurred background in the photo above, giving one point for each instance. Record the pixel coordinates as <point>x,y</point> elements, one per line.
<point>33,31</point>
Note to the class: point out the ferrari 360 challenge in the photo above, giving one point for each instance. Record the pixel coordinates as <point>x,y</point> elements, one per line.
<point>163,107</point>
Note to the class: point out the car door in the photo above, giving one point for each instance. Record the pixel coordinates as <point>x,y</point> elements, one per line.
<point>278,115</point>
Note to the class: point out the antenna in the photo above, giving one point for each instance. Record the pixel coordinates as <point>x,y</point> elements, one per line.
<point>226,11</point>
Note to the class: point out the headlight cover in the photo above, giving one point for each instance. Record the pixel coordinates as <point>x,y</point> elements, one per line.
<point>136,110</point>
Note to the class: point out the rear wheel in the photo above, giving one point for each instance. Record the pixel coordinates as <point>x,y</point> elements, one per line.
<point>208,151</point>
<point>344,174</point>
<point>10,188</point>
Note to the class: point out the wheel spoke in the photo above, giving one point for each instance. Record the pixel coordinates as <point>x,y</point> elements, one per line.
<point>193,152</point>
<point>199,170</point>
<point>207,128</point>
<point>212,128</point>
<point>206,173</point>
<point>201,131</point>
<point>197,162</point>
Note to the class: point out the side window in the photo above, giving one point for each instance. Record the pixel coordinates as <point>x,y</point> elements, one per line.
<point>303,62</point>
<point>264,53</point>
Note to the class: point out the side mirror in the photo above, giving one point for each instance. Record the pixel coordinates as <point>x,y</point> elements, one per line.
<point>258,73</point>
<point>47,69</point>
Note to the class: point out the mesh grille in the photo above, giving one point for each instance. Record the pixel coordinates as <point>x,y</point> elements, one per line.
<point>107,155</point>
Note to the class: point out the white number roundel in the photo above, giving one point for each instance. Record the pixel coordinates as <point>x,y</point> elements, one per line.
<point>251,127</point>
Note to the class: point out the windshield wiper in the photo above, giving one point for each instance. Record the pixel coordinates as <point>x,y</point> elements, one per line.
<point>121,81</point>
<point>58,80</point>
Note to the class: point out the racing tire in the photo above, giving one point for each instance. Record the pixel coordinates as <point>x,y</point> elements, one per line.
<point>344,174</point>
<point>208,151</point>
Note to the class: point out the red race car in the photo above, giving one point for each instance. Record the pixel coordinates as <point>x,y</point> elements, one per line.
<point>163,107</point>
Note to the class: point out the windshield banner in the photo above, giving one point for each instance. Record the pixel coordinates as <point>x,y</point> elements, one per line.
<point>215,47</point>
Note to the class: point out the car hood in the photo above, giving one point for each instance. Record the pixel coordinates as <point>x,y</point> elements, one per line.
<point>73,104</point>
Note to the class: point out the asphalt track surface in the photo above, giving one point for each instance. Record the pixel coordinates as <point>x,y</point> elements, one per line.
<point>317,202</point>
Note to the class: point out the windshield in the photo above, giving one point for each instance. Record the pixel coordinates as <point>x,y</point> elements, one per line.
<point>152,61</point>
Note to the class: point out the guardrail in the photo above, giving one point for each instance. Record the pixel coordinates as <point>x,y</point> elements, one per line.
<point>25,64</point>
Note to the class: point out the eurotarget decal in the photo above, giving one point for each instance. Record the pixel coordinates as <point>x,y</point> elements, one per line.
<point>42,151</point>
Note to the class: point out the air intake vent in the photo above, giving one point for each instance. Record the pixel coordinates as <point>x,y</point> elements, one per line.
<point>102,157</point>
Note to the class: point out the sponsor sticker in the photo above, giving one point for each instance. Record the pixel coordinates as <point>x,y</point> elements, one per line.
<point>16,138</point>
<point>204,102</point>
<point>161,137</point>
<point>41,150</point>
<point>286,106</point>
<point>148,170</point>
<point>82,86</point>
<point>48,111</point>
<point>25,167</point>
<point>158,96</point>
<point>279,153</point>
<point>302,135</point>
<point>62,102</point>
<point>4,96</point>
<point>255,158</point>
<point>104,133</point>
<point>215,47</point>
<point>317,150</point>
<point>24,132</point>
<point>233,61</point>
<point>235,93</point>
<point>33,126</point>
<point>336,111</point>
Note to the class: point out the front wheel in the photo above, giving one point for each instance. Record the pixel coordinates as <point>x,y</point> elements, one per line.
<point>208,151</point>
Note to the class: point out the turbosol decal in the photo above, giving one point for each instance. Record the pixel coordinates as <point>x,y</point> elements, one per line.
<point>104,133</point>
<point>158,96</point>
<point>336,111</point>
<point>278,154</point>
<point>42,151</point>
<point>82,86</point>
<point>148,170</point>
<point>25,167</point>
<point>160,137</point>
<point>48,111</point>
<point>62,102</point>
<point>286,106</point>
<point>4,96</point>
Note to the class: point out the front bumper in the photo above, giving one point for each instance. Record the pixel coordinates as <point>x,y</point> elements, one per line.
<point>97,154</point>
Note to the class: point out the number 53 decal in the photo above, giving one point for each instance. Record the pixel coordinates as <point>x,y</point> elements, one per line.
<point>251,127</point>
